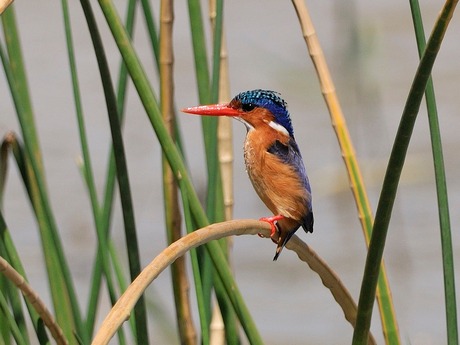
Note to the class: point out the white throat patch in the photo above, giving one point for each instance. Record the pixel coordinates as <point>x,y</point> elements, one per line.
<point>247,124</point>
<point>279,128</point>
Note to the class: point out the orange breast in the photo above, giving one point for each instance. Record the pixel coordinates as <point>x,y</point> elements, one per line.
<point>276,183</point>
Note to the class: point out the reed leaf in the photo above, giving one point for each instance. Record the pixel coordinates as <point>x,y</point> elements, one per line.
<point>87,170</point>
<point>13,256</point>
<point>208,93</point>
<point>20,158</point>
<point>202,304</point>
<point>122,171</point>
<point>215,201</point>
<point>8,318</point>
<point>60,282</point>
<point>4,148</point>
<point>393,173</point>
<point>219,327</point>
<point>5,334</point>
<point>199,51</point>
<point>11,294</point>
<point>152,31</point>
<point>7,249</point>
<point>40,315</point>
<point>441,188</point>
<point>209,127</point>
<point>18,73</point>
<point>107,206</point>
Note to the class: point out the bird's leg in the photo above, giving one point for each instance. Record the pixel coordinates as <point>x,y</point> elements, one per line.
<point>271,221</point>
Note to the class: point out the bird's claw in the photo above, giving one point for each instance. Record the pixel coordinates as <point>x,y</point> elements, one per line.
<point>271,221</point>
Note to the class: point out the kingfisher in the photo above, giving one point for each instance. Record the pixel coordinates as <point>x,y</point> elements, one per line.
<point>273,160</point>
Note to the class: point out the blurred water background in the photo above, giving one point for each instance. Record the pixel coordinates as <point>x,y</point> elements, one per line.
<point>372,55</point>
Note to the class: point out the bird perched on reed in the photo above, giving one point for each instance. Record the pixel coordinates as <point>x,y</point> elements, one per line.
<point>273,160</point>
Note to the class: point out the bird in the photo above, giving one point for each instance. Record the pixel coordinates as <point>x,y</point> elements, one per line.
<point>272,158</point>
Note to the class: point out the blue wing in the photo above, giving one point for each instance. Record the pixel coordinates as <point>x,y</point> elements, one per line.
<point>290,154</point>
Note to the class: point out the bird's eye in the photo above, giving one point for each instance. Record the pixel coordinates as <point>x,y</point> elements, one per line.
<point>248,107</point>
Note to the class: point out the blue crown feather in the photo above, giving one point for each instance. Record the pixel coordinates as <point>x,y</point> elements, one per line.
<point>271,101</point>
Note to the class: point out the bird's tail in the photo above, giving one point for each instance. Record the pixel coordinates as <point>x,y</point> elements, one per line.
<point>282,240</point>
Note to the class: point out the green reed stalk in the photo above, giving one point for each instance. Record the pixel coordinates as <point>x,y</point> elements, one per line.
<point>8,319</point>
<point>393,173</point>
<point>199,51</point>
<point>5,333</point>
<point>88,173</point>
<point>12,297</point>
<point>21,85</point>
<point>107,206</point>
<point>3,167</point>
<point>215,202</point>
<point>215,186</point>
<point>441,188</point>
<point>8,252</point>
<point>204,93</point>
<point>208,93</point>
<point>202,312</point>
<point>122,171</point>
<point>217,47</point>
<point>151,29</point>
<point>15,261</point>
<point>208,89</point>
<point>61,286</point>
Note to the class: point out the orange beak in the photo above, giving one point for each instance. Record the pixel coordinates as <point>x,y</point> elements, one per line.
<point>213,110</point>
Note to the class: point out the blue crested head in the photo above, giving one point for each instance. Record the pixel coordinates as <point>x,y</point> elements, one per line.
<point>269,100</point>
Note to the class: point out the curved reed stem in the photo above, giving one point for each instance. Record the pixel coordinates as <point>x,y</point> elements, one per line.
<point>329,278</point>
<point>29,293</point>
<point>122,309</point>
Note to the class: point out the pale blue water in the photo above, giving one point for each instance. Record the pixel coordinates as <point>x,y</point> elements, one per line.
<point>372,56</point>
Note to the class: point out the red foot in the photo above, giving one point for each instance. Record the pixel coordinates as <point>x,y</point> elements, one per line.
<point>271,221</point>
